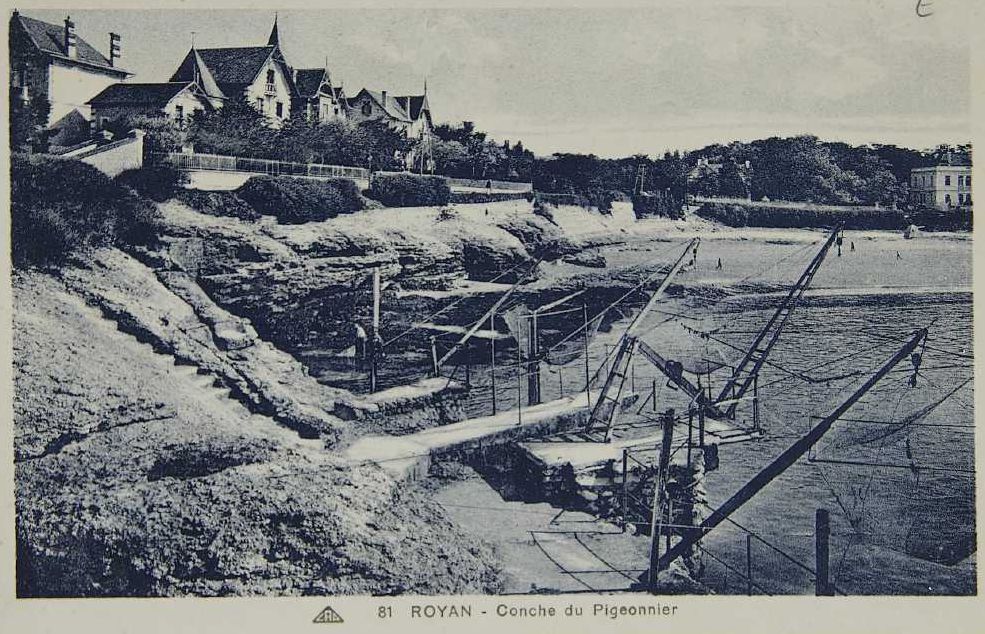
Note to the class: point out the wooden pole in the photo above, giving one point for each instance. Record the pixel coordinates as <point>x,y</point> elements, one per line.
<point>656,517</point>
<point>533,364</point>
<point>701,428</point>
<point>654,395</point>
<point>625,489</point>
<point>492,344</point>
<point>748,564</point>
<point>588,370</point>
<point>434,357</point>
<point>755,403</point>
<point>374,329</point>
<point>822,531</point>
<point>519,375</point>
<point>690,435</point>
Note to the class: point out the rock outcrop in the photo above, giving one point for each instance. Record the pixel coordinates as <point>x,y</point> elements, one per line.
<point>135,479</point>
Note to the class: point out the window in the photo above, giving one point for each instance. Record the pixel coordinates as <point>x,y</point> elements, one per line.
<point>270,80</point>
<point>280,110</point>
<point>967,181</point>
<point>947,180</point>
<point>367,109</point>
<point>260,104</point>
<point>179,114</point>
<point>947,198</point>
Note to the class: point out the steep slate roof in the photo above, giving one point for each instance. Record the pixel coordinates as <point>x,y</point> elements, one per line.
<point>157,95</point>
<point>309,80</point>
<point>413,105</point>
<point>50,39</point>
<point>232,68</point>
<point>392,107</point>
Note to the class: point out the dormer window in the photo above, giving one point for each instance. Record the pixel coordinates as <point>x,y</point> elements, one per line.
<point>367,109</point>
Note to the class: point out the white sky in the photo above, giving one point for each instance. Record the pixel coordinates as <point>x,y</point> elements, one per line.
<point>617,81</point>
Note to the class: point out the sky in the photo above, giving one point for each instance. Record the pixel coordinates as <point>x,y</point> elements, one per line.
<point>615,81</point>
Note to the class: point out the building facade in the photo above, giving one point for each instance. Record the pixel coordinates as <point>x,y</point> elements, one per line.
<point>178,101</point>
<point>410,113</point>
<point>941,186</point>
<point>51,62</point>
<point>258,74</point>
<point>318,100</point>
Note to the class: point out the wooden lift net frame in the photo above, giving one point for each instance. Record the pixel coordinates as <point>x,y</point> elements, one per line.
<point>607,407</point>
<point>744,376</point>
<point>747,371</point>
<point>786,459</point>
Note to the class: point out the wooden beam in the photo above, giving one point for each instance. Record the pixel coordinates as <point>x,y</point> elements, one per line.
<point>495,307</point>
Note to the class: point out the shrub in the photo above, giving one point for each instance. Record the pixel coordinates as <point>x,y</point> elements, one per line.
<point>542,210</point>
<point>300,200</point>
<point>157,183</point>
<point>63,206</point>
<point>447,213</point>
<point>602,199</point>
<point>409,190</point>
<point>218,203</point>
<point>647,205</point>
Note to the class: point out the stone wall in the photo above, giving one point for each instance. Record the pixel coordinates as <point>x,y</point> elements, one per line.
<point>118,157</point>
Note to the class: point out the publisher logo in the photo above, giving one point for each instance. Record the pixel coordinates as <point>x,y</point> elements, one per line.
<point>328,615</point>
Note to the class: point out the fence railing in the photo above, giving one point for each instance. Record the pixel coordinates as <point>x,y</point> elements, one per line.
<point>222,163</point>
<point>219,163</point>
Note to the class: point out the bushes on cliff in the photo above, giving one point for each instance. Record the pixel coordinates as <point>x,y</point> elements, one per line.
<point>159,182</point>
<point>409,190</point>
<point>486,197</point>
<point>63,206</point>
<point>300,200</point>
<point>646,205</point>
<point>217,203</point>
<point>735,215</point>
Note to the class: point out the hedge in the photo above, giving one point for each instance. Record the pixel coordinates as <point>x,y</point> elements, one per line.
<point>409,190</point>
<point>647,205</point>
<point>63,206</point>
<point>299,200</point>
<point>218,203</point>
<point>736,215</point>
<point>159,182</point>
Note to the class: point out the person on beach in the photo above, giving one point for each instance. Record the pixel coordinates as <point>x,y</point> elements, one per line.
<point>898,256</point>
<point>851,246</point>
<point>719,267</point>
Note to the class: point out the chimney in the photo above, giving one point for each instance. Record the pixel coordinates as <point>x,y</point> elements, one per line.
<point>384,98</point>
<point>70,48</point>
<point>114,48</point>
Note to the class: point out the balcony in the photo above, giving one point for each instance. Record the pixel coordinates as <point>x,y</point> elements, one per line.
<point>270,89</point>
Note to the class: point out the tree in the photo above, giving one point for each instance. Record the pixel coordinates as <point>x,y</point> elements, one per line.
<point>163,133</point>
<point>28,124</point>
<point>451,158</point>
<point>235,129</point>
